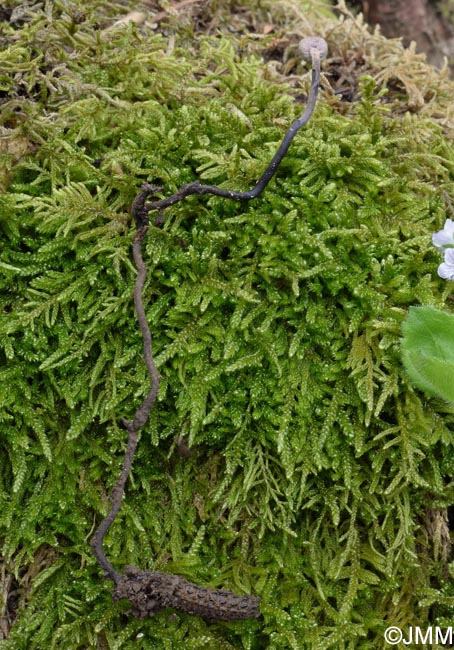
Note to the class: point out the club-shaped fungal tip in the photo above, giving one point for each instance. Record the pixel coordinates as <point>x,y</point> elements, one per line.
<point>306,45</point>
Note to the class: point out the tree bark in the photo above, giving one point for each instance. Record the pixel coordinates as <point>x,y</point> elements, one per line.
<point>413,20</point>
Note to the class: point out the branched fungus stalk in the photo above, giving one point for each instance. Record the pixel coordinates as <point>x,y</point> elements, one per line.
<point>150,592</point>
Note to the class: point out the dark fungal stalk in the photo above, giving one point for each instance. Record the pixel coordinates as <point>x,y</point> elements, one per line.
<point>151,592</point>
<point>313,49</point>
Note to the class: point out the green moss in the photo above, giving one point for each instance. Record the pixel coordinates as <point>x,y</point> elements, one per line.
<point>276,330</point>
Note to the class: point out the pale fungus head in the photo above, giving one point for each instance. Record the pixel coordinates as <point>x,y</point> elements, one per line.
<point>313,46</point>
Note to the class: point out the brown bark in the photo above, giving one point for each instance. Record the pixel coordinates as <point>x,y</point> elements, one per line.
<point>413,20</point>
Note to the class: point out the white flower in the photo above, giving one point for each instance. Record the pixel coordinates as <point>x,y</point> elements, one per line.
<point>446,270</point>
<point>445,237</point>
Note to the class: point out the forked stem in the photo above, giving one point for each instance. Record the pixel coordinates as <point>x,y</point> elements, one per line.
<point>171,590</point>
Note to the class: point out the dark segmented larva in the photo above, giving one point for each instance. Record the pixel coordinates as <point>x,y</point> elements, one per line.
<point>150,592</point>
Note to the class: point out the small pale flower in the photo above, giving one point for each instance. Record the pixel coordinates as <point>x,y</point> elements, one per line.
<point>446,270</point>
<point>444,238</point>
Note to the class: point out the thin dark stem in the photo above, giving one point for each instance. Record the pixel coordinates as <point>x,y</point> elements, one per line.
<point>197,188</point>
<point>143,411</point>
<point>140,417</point>
<point>97,540</point>
<point>240,607</point>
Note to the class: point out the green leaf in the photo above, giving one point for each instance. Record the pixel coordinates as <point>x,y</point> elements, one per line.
<point>428,350</point>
